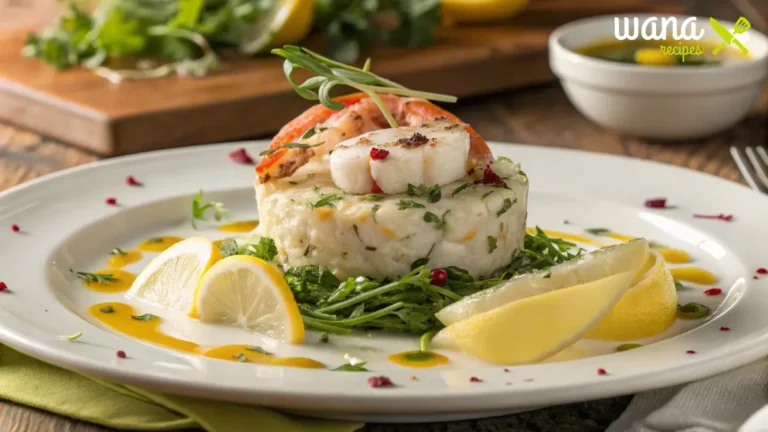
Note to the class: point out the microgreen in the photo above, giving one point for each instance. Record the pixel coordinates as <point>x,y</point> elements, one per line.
<point>265,249</point>
<point>373,197</point>
<point>692,310</point>
<point>598,231</point>
<point>73,337</point>
<point>375,209</point>
<point>145,317</point>
<point>327,200</point>
<point>431,194</point>
<point>408,204</point>
<point>95,277</point>
<point>460,188</point>
<point>118,251</point>
<point>627,347</point>
<point>330,73</point>
<point>107,309</point>
<point>240,357</point>
<point>272,151</point>
<point>228,248</point>
<point>199,209</point>
<point>258,350</point>
<point>349,367</point>
<point>324,337</point>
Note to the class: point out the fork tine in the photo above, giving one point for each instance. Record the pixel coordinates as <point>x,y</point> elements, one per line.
<point>760,169</point>
<point>742,165</point>
<point>763,154</point>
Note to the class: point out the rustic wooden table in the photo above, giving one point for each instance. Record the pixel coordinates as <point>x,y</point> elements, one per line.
<point>538,116</point>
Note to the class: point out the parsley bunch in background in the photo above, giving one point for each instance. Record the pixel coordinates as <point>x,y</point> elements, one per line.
<point>350,27</point>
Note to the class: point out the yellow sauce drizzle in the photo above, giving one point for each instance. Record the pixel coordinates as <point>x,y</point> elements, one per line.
<point>232,353</point>
<point>158,244</point>
<point>120,320</point>
<point>122,282</point>
<point>121,260</point>
<point>693,274</point>
<point>418,359</point>
<point>675,256</point>
<point>240,227</point>
<point>566,236</point>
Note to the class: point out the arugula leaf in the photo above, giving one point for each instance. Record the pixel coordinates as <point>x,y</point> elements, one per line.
<point>265,249</point>
<point>199,209</point>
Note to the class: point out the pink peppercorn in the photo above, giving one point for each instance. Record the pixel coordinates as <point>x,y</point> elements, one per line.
<point>439,276</point>
<point>131,181</point>
<point>241,156</point>
<point>713,292</point>
<point>379,154</point>
<point>15,228</point>
<point>111,201</point>
<point>602,371</point>
<point>475,379</point>
<point>121,354</point>
<point>380,381</point>
<point>656,203</point>
<point>3,286</point>
<point>725,329</point>
<point>762,270</point>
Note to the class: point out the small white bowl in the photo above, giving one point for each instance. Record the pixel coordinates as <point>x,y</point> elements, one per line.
<point>674,102</point>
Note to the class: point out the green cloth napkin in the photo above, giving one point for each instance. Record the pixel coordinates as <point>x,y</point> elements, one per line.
<point>31,382</point>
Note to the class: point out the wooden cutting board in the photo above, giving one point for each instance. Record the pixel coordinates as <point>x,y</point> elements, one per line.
<point>250,97</point>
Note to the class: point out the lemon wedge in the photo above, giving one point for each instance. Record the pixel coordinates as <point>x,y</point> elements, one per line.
<point>172,278</point>
<point>287,22</point>
<point>649,306</point>
<point>604,262</point>
<point>250,293</point>
<point>535,328</point>
<point>476,11</point>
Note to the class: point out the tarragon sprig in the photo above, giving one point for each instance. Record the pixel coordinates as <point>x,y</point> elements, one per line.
<point>330,73</point>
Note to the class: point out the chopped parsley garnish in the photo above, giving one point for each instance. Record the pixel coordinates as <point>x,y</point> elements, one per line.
<point>240,357</point>
<point>627,347</point>
<point>409,204</point>
<point>692,310</point>
<point>95,277</point>
<point>506,206</point>
<point>265,249</point>
<point>439,222</point>
<point>228,247</point>
<point>199,209</point>
<point>491,244</point>
<point>258,350</point>
<point>460,188</point>
<point>293,183</point>
<point>270,152</point>
<point>431,194</point>
<point>349,367</point>
<point>145,317</point>
<point>374,209</point>
<point>485,195</point>
<point>598,231</point>
<point>324,337</point>
<point>73,337</point>
<point>107,309</point>
<point>327,200</point>
<point>373,197</point>
<point>118,251</point>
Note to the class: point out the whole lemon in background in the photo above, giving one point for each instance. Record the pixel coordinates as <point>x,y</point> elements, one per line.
<point>287,22</point>
<point>479,11</point>
<point>648,308</point>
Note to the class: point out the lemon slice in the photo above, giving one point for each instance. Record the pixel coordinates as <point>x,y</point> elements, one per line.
<point>649,306</point>
<point>287,22</point>
<point>475,11</point>
<point>172,278</point>
<point>249,292</point>
<point>590,267</point>
<point>535,328</point>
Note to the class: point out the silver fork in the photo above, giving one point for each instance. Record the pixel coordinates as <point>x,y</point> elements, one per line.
<point>753,167</point>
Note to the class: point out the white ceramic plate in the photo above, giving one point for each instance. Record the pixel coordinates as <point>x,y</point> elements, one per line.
<point>66,224</point>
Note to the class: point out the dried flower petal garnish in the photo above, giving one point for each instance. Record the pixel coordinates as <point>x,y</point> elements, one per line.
<point>111,201</point>
<point>131,181</point>
<point>380,381</point>
<point>656,203</point>
<point>73,337</point>
<point>713,291</point>
<point>506,370</point>
<point>721,216</point>
<point>475,379</point>
<point>3,286</point>
<point>15,228</point>
<point>725,328</point>
<point>690,352</point>
<point>121,354</point>
<point>241,156</point>
<point>762,270</point>
<point>602,371</point>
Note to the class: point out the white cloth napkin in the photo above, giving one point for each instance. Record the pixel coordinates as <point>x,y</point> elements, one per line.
<point>718,404</point>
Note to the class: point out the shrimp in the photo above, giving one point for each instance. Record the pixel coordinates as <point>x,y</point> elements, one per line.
<point>360,115</point>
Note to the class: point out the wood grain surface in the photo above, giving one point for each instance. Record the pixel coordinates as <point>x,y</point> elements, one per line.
<point>250,96</point>
<point>540,116</point>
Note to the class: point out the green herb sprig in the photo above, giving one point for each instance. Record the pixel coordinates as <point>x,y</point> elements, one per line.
<point>330,73</point>
<point>199,209</point>
<point>95,277</point>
